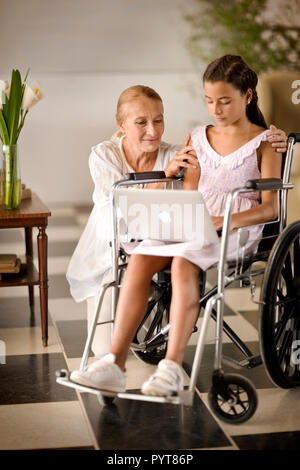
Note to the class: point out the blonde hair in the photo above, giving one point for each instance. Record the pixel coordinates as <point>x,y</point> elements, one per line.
<point>132,93</point>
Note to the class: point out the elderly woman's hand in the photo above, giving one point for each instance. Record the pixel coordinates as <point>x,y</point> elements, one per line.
<point>277,138</point>
<point>184,158</point>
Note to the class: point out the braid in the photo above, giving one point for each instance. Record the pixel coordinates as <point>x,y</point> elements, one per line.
<point>253,112</point>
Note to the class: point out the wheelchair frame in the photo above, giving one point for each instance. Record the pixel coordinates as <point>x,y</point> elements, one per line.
<point>226,388</point>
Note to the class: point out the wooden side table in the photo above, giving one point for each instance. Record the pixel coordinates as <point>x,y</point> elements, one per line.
<point>32,213</point>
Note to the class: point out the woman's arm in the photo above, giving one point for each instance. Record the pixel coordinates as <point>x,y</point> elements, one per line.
<point>105,169</point>
<point>267,210</point>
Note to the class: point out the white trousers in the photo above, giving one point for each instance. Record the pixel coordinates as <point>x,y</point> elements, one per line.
<point>102,338</point>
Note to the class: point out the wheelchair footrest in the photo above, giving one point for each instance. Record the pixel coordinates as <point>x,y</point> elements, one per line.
<point>185,397</point>
<point>175,400</point>
<point>249,363</point>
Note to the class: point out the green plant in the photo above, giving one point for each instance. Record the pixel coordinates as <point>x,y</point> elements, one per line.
<point>15,101</point>
<point>267,39</point>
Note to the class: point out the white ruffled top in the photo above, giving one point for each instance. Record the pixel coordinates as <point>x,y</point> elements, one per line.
<point>220,175</point>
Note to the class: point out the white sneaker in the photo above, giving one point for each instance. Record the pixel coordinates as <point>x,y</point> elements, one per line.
<point>166,380</point>
<point>103,374</point>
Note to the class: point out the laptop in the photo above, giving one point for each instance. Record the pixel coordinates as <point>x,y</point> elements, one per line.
<point>163,214</point>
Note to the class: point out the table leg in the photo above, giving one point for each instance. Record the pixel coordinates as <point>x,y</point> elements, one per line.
<point>29,252</point>
<point>42,242</point>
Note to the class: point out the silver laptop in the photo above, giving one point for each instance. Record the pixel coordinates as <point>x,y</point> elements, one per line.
<point>167,215</point>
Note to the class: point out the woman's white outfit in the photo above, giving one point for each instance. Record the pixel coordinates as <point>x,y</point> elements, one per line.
<point>90,265</point>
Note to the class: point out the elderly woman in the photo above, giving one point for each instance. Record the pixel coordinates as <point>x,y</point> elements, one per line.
<point>140,116</point>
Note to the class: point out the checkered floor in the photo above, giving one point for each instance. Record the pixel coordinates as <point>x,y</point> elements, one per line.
<point>37,413</point>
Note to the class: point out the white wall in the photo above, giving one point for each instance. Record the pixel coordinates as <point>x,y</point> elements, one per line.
<point>84,53</point>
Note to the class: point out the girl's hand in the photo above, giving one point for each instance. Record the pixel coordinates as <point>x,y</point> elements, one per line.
<point>185,157</point>
<point>277,138</point>
<point>217,221</point>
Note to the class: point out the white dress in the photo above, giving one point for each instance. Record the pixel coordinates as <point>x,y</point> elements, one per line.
<point>91,260</point>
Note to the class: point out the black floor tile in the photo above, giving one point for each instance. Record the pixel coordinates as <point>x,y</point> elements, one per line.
<point>31,379</point>
<point>15,312</point>
<point>73,335</point>
<point>138,425</point>
<point>256,375</point>
<point>271,441</point>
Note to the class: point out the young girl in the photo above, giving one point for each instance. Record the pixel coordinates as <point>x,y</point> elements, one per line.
<point>230,153</point>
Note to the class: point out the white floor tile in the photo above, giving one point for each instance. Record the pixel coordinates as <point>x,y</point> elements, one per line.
<point>19,341</point>
<point>43,426</point>
<point>240,326</point>
<point>56,264</point>
<point>67,309</point>
<point>63,211</point>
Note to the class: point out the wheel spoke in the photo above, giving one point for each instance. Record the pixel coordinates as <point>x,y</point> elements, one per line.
<point>296,259</point>
<point>287,273</point>
<point>242,403</point>
<point>279,327</point>
<point>285,346</point>
<point>233,410</point>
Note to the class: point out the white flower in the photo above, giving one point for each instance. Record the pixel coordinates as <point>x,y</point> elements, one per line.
<point>31,95</point>
<point>4,88</point>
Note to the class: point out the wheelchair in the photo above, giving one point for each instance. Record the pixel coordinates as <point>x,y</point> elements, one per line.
<point>232,398</point>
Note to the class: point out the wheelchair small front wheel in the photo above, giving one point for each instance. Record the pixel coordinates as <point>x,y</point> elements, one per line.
<point>240,402</point>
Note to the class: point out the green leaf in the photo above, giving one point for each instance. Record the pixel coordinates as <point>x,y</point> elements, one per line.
<point>14,106</point>
<point>3,130</point>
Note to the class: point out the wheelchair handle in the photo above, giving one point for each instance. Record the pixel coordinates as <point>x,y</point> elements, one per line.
<point>295,135</point>
<point>145,175</point>
<point>264,184</point>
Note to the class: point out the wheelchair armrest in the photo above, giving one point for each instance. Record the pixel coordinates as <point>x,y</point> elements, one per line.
<point>145,175</point>
<point>295,135</point>
<point>265,184</point>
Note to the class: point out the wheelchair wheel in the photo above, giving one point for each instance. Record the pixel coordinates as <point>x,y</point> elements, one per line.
<point>280,310</point>
<point>108,400</point>
<point>156,317</point>
<point>235,401</point>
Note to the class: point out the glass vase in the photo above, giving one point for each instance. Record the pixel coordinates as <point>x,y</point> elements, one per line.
<point>11,178</point>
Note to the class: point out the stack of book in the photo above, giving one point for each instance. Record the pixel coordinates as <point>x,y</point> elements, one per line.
<point>9,264</point>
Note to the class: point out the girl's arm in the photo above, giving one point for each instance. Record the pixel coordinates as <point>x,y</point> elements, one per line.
<point>191,178</point>
<point>267,210</point>
<point>184,158</point>
<point>192,174</point>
